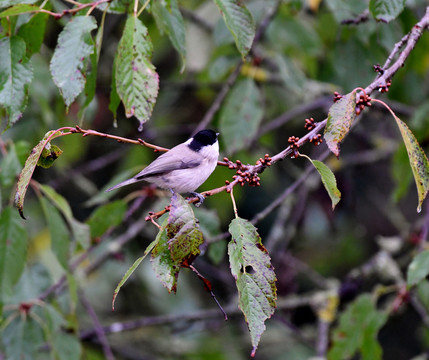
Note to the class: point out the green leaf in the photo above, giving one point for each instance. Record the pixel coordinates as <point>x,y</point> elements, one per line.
<point>418,269</point>
<point>183,232</point>
<point>16,74</point>
<point>162,264</point>
<point>106,216</point>
<point>340,118</point>
<point>18,9</point>
<point>114,97</point>
<point>27,171</point>
<point>80,231</point>
<point>178,243</point>
<point>22,338</point>
<point>254,275</point>
<point>137,263</point>
<point>346,9</point>
<point>169,20</point>
<point>33,32</point>
<point>7,3</point>
<point>9,167</point>
<point>328,180</point>
<point>137,82</point>
<point>60,236</point>
<point>418,161</point>
<point>49,154</point>
<point>357,331</point>
<point>68,64</point>
<point>241,115</point>
<point>65,344</point>
<point>239,22</point>
<point>13,250</point>
<point>386,10</point>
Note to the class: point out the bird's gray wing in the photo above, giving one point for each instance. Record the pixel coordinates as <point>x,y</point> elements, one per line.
<point>170,161</point>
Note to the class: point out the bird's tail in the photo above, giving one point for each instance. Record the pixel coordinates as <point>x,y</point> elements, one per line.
<point>123,183</point>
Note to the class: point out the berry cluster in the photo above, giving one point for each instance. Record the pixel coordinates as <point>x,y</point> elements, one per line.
<point>266,161</point>
<point>309,124</point>
<point>337,96</point>
<point>293,141</point>
<point>316,140</point>
<point>385,88</point>
<point>364,101</point>
<point>378,69</point>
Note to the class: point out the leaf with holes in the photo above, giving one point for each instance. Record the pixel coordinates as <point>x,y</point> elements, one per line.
<point>340,119</point>
<point>16,74</point>
<point>240,23</point>
<point>386,10</point>
<point>357,331</point>
<point>179,243</point>
<point>418,161</point>
<point>162,264</point>
<point>183,232</point>
<point>241,115</point>
<point>254,275</point>
<point>137,82</point>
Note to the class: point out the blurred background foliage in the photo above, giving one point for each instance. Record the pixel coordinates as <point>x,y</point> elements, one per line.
<point>305,54</point>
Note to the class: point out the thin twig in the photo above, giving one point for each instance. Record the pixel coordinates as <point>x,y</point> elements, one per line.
<point>98,329</point>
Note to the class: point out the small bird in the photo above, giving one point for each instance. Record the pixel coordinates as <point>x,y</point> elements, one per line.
<point>183,168</point>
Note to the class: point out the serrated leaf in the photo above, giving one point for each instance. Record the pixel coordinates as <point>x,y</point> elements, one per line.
<point>33,32</point>
<point>418,269</point>
<point>49,155</point>
<point>241,115</point>
<point>169,20</point>
<point>27,171</point>
<point>68,64</point>
<point>60,236</point>
<point>106,216</point>
<point>183,232</point>
<point>254,275</point>
<point>137,82</point>
<point>133,268</point>
<point>418,161</point>
<point>240,23</point>
<point>328,180</point>
<point>340,118</point>
<point>16,74</point>
<point>18,9</point>
<point>162,264</point>
<point>386,10</point>
<point>357,331</point>
<point>13,251</point>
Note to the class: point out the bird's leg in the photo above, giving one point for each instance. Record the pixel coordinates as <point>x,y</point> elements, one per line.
<point>200,197</point>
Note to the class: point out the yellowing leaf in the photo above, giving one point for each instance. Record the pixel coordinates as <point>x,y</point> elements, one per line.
<point>340,118</point>
<point>179,243</point>
<point>27,171</point>
<point>418,161</point>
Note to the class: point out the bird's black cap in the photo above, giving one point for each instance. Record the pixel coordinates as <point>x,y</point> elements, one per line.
<point>203,138</point>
